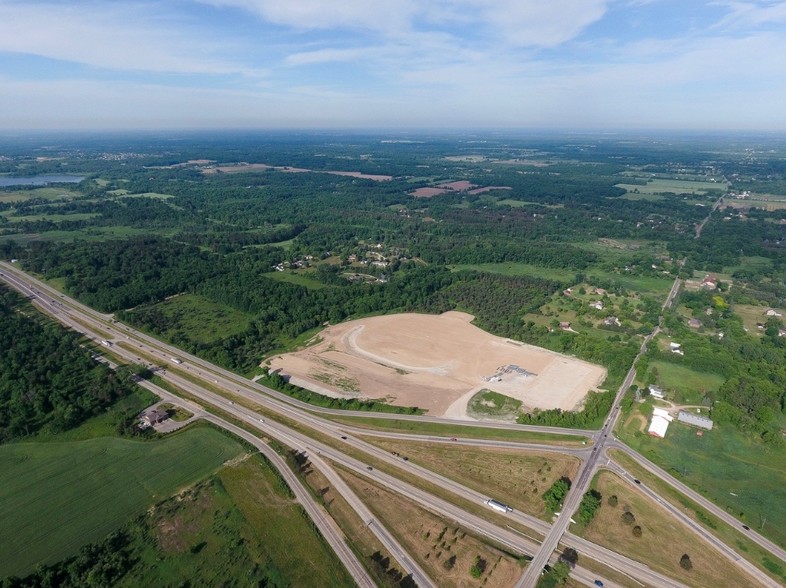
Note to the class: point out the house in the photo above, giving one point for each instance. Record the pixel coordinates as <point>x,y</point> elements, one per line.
<point>597,305</point>
<point>709,282</point>
<point>772,312</point>
<point>600,291</point>
<point>694,323</point>
<point>656,392</point>
<point>612,321</point>
<point>154,416</point>
<point>564,325</point>
<point>673,345</point>
<point>567,292</point>
<point>694,419</point>
<point>781,332</point>
<point>660,422</point>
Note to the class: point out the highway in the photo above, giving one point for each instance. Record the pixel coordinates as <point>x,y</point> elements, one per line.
<point>82,319</point>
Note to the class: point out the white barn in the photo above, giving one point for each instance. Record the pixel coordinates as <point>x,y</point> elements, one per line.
<point>660,422</point>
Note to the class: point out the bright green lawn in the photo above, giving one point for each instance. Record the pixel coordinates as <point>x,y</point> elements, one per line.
<point>56,497</point>
<point>299,277</point>
<point>689,385</point>
<point>42,193</point>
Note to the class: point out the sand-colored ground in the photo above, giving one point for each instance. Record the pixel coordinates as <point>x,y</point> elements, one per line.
<point>436,362</point>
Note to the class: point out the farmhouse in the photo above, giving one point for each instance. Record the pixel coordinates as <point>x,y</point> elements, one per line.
<point>660,422</point>
<point>709,282</point>
<point>612,321</point>
<point>597,305</point>
<point>656,392</point>
<point>694,323</point>
<point>693,419</point>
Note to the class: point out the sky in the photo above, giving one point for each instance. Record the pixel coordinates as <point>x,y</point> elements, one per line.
<point>408,64</point>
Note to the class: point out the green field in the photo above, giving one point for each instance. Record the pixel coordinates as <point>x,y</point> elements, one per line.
<point>42,193</point>
<point>59,496</point>
<point>519,269</point>
<point>240,528</point>
<point>684,384</point>
<point>201,319</point>
<point>661,185</point>
<point>52,217</point>
<point>492,404</point>
<point>299,277</point>
<point>743,476</point>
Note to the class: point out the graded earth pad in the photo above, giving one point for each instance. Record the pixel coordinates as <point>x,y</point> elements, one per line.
<point>435,362</point>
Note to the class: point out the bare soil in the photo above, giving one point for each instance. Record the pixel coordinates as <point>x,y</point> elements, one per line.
<point>435,362</point>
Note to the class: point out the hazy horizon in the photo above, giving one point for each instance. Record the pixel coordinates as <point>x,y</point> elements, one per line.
<point>566,65</point>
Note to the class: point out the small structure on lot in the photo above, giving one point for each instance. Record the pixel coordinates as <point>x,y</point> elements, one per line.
<point>597,305</point>
<point>693,419</point>
<point>612,321</point>
<point>772,312</point>
<point>709,282</point>
<point>564,325</point>
<point>656,392</point>
<point>660,422</point>
<point>694,323</point>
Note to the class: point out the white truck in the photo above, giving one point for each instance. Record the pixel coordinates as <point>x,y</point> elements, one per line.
<point>498,506</point>
<point>177,361</point>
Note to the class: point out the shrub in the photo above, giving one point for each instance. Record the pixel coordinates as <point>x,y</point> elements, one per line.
<point>685,562</point>
<point>637,531</point>
<point>612,501</point>
<point>628,517</point>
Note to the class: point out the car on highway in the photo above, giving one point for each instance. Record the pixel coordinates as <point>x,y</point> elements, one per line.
<point>746,527</point>
<point>598,583</point>
<point>369,468</point>
<point>453,439</point>
<point>344,437</point>
<point>637,480</point>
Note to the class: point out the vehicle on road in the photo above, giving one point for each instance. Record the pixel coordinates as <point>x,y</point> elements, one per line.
<point>637,480</point>
<point>369,468</point>
<point>746,527</point>
<point>498,506</point>
<point>598,583</point>
<point>453,439</point>
<point>344,437</point>
<point>177,361</point>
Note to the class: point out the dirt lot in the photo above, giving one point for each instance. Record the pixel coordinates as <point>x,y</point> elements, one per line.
<point>436,362</point>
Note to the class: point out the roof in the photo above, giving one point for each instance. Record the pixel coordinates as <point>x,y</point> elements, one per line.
<point>659,425</point>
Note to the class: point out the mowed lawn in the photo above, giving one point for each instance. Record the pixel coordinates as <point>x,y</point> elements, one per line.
<point>689,385</point>
<point>57,497</point>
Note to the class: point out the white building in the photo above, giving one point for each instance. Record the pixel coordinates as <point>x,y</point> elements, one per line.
<point>660,422</point>
<point>693,419</point>
<point>657,392</point>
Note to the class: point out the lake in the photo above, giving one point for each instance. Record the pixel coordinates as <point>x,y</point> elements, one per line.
<point>43,180</point>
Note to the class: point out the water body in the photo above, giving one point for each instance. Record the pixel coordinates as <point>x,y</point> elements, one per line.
<point>6,181</point>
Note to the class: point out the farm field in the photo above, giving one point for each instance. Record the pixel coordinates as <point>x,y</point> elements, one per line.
<point>518,269</point>
<point>37,193</point>
<point>663,541</point>
<point>517,478</point>
<point>241,527</point>
<point>737,473</point>
<point>61,495</point>
<point>436,362</point>
<point>660,185</point>
<point>298,277</point>
<point>751,315</point>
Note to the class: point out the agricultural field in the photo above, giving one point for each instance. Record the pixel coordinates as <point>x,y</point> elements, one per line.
<point>299,277</point>
<point>658,186</point>
<point>61,495</point>
<point>662,541</point>
<point>517,478</point>
<point>51,194</point>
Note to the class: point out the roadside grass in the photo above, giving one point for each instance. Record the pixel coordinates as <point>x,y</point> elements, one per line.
<point>516,477</point>
<point>444,550</point>
<point>459,431</point>
<point>59,496</point>
<point>683,384</point>
<point>487,403</point>
<point>299,277</point>
<point>360,538</point>
<point>729,535</point>
<point>202,320</point>
<point>739,474</point>
<point>176,413</point>
<point>663,540</point>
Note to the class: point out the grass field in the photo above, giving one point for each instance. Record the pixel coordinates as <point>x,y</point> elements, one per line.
<point>519,269</point>
<point>493,404</point>
<point>58,496</point>
<point>459,431</point>
<point>751,315</point>
<point>661,185</point>
<point>663,540</point>
<point>299,277</point>
<point>684,384</point>
<point>743,476</point>
<point>518,478</point>
<point>240,528</point>
<point>36,193</point>
<point>77,216</point>
<point>203,320</point>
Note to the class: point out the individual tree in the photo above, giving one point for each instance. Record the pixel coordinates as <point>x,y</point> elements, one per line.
<point>685,562</point>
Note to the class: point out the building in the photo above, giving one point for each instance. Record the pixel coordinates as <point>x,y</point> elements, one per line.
<point>694,419</point>
<point>154,416</point>
<point>694,323</point>
<point>597,305</point>
<point>612,321</point>
<point>656,392</point>
<point>660,422</point>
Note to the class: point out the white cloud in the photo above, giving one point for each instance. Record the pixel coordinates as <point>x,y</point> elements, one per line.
<point>122,36</point>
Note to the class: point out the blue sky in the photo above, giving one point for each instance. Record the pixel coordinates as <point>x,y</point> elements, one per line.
<point>514,64</point>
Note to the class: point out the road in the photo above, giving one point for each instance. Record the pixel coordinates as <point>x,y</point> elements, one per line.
<point>71,313</point>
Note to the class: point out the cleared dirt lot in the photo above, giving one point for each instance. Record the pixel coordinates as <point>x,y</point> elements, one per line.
<point>436,362</point>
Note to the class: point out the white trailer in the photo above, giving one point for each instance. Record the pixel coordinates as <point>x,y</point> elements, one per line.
<point>498,506</point>
<point>177,361</point>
